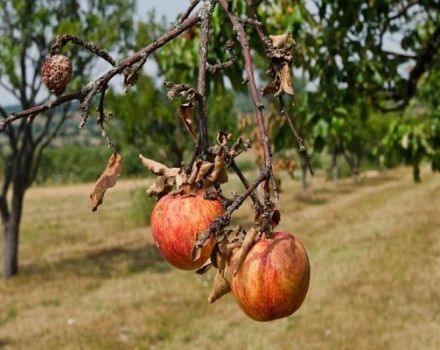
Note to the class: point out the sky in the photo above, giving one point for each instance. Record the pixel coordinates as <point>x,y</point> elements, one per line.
<point>168,8</point>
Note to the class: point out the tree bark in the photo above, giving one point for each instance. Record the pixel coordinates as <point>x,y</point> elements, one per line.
<point>355,169</point>
<point>11,229</point>
<point>335,168</point>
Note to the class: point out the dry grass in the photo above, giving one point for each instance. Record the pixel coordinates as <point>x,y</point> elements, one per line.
<point>93,281</point>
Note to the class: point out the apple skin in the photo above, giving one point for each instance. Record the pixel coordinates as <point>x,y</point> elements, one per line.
<point>175,223</point>
<point>273,279</point>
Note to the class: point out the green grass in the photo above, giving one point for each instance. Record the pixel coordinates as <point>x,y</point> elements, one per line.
<point>95,280</point>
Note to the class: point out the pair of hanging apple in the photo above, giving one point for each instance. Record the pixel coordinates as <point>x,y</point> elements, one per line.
<point>271,283</point>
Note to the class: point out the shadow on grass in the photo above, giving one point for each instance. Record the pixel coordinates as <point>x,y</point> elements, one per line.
<point>311,199</point>
<point>103,263</point>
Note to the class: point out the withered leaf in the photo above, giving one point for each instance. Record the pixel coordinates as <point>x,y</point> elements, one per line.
<point>220,288</point>
<point>106,180</point>
<point>245,248</point>
<point>223,137</point>
<point>202,238</point>
<point>205,268</point>
<point>218,173</point>
<point>275,218</point>
<point>205,168</point>
<point>186,114</point>
<point>270,89</point>
<point>218,259</point>
<point>158,168</point>
<point>167,177</point>
<point>282,41</point>
<point>286,79</point>
<point>159,186</point>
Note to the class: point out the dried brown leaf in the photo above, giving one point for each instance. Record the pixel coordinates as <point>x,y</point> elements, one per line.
<point>205,169</point>
<point>270,89</point>
<point>202,239</point>
<point>286,79</point>
<point>186,114</point>
<point>282,41</point>
<point>167,177</point>
<point>223,137</point>
<point>158,168</point>
<point>245,248</point>
<point>205,268</point>
<point>106,180</point>
<point>159,186</point>
<point>220,288</point>
<point>218,173</point>
<point>275,218</point>
<point>218,259</point>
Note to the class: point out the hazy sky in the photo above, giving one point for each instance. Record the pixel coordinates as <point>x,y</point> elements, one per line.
<point>168,8</point>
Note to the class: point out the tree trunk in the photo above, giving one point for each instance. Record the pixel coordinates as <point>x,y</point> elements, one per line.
<point>355,169</point>
<point>416,171</point>
<point>11,237</point>
<point>304,169</point>
<point>335,168</point>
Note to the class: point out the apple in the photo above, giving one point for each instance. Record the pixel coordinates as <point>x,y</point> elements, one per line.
<point>175,222</point>
<point>274,278</point>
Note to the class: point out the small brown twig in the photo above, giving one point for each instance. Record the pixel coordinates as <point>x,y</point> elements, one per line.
<point>224,220</point>
<point>257,204</point>
<point>188,11</point>
<point>213,68</point>
<point>100,120</point>
<point>64,39</point>
<point>302,150</point>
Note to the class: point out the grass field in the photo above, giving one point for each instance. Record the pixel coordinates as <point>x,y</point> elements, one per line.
<point>94,281</point>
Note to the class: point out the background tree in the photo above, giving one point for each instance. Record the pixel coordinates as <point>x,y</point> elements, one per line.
<point>27,30</point>
<point>146,121</point>
<point>360,59</point>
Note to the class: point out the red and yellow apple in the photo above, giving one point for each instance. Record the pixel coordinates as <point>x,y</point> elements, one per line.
<point>175,222</point>
<point>273,279</point>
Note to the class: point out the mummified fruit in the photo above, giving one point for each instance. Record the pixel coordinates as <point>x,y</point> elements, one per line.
<point>56,73</point>
<point>176,221</point>
<point>274,278</point>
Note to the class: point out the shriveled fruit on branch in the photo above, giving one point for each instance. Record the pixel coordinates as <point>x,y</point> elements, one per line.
<point>56,73</point>
<point>274,278</point>
<point>176,220</point>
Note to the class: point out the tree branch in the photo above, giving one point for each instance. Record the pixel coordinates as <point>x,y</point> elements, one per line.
<point>205,14</point>
<point>64,39</point>
<point>188,11</point>
<point>258,105</point>
<point>403,10</point>
<point>102,81</point>
<point>302,150</point>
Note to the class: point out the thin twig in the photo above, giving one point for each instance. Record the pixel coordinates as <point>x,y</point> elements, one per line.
<point>213,68</point>
<point>257,204</point>
<point>222,221</point>
<point>64,39</point>
<point>100,120</point>
<point>188,11</point>
<point>302,150</point>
